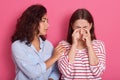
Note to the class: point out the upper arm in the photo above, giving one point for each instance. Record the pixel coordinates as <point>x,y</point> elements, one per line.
<point>31,67</point>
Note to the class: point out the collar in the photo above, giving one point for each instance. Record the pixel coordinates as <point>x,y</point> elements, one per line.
<point>41,43</point>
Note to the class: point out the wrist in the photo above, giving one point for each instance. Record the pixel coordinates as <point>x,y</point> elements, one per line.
<point>89,43</point>
<point>54,58</point>
<point>74,44</point>
<point>90,46</point>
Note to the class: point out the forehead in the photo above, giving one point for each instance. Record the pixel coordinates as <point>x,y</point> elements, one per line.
<point>44,17</point>
<point>81,22</point>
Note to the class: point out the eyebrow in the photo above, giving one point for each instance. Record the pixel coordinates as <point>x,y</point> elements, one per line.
<point>77,26</point>
<point>45,18</point>
<point>80,26</point>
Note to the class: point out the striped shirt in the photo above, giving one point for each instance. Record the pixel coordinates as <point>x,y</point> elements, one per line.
<point>81,68</point>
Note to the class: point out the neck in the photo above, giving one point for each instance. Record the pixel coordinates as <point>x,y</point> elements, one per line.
<point>36,43</point>
<point>36,39</point>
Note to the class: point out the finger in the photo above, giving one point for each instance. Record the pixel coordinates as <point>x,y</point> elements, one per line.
<point>83,31</point>
<point>80,31</point>
<point>83,38</point>
<point>61,51</point>
<point>60,48</point>
<point>59,45</point>
<point>76,30</point>
<point>84,34</point>
<point>87,31</point>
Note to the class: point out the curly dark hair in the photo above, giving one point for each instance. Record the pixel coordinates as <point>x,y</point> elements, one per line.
<point>28,24</point>
<point>80,14</point>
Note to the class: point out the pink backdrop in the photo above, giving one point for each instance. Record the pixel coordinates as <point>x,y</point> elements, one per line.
<point>106,14</point>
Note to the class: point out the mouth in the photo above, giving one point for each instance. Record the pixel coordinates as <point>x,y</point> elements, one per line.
<point>46,30</point>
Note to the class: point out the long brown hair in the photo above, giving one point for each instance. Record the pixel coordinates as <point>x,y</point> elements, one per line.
<point>28,24</point>
<point>80,14</point>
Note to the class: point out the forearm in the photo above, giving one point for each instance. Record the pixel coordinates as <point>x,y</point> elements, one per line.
<point>55,72</point>
<point>71,54</point>
<point>93,59</point>
<point>98,69</point>
<point>50,62</point>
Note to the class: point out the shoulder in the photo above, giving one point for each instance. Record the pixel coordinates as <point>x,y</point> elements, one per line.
<point>48,43</point>
<point>18,48</point>
<point>98,42</point>
<point>65,44</point>
<point>18,45</point>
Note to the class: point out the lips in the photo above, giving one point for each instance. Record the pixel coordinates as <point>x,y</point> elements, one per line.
<point>46,30</point>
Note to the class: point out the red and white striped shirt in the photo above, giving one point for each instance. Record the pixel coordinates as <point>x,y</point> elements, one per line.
<point>81,69</point>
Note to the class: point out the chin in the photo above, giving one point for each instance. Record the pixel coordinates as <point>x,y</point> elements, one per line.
<point>44,34</point>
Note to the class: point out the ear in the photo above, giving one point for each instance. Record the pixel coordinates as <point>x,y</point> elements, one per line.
<point>90,26</point>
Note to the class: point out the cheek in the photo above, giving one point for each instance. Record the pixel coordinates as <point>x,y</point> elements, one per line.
<point>41,27</point>
<point>89,29</point>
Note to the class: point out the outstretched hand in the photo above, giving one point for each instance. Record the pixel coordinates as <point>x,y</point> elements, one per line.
<point>58,51</point>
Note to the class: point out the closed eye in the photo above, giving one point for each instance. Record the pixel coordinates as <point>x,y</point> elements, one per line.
<point>44,20</point>
<point>76,27</point>
<point>85,27</point>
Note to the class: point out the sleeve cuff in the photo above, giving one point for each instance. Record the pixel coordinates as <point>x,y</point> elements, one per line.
<point>43,67</point>
<point>94,66</point>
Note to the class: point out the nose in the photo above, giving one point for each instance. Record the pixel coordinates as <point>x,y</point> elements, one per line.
<point>81,31</point>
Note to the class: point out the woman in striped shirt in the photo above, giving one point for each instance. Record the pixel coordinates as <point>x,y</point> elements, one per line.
<point>84,58</point>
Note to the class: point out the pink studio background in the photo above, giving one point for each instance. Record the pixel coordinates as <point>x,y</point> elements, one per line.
<point>106,14</point>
